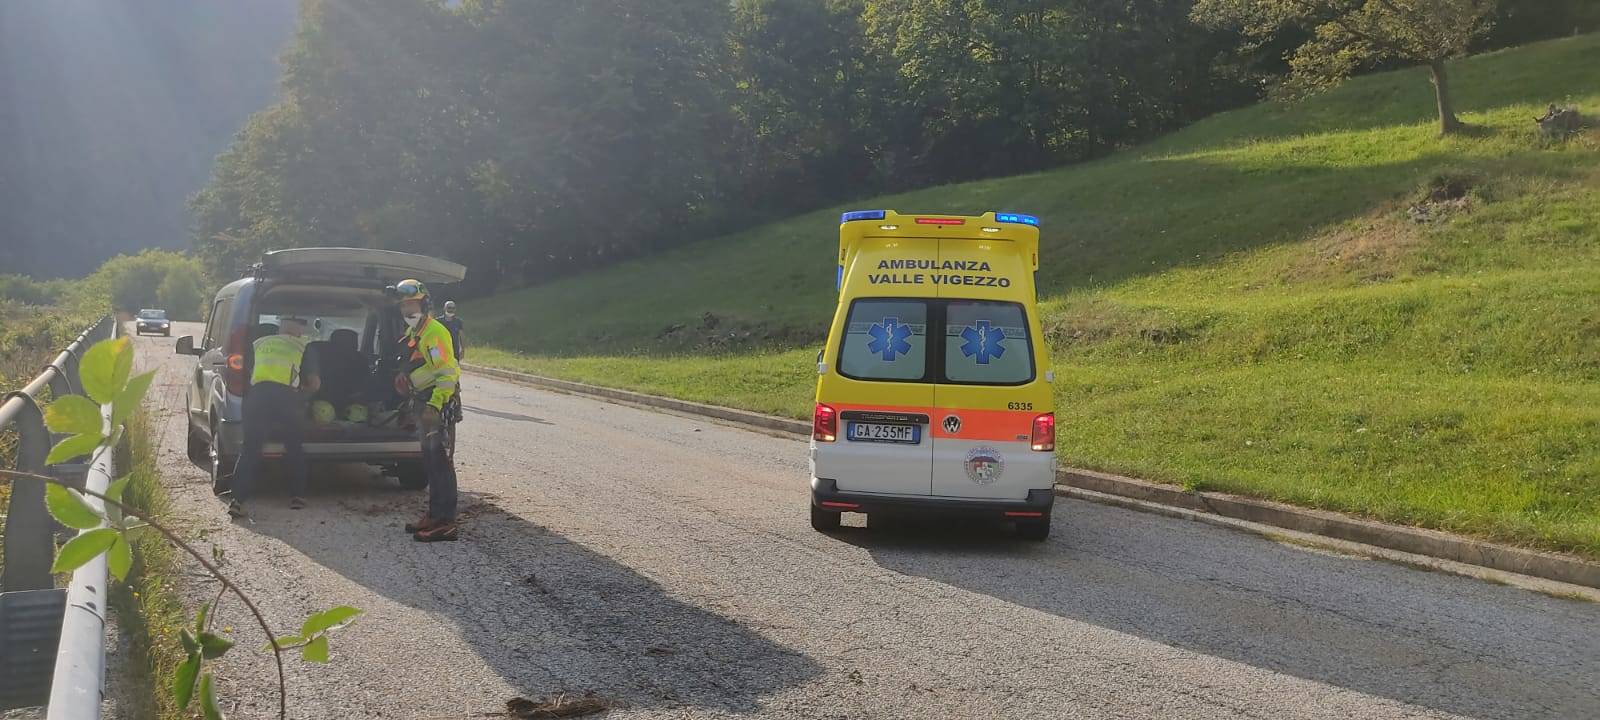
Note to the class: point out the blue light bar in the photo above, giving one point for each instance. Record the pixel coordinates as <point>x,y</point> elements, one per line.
<point>862,215</point>
<point>1017,218</point>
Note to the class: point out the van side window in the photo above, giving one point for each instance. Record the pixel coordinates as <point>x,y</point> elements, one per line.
<point>217,325</point>
<point>885,339</point>
<point>986,343</point>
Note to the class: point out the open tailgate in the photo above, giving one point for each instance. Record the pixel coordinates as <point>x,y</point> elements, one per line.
<point>350,264</point>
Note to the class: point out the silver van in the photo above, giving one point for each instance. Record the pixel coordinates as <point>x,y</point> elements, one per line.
<point>341,291</point>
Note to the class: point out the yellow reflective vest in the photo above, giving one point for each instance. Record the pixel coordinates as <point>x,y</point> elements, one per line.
<point>277,360</point>
<point>432,347</point>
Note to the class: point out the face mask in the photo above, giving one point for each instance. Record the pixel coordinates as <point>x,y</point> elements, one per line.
<point>412,320</point>
<point>449,313</point>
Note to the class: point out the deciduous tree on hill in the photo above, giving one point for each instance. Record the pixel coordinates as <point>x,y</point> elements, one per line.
<point>1349,34</point>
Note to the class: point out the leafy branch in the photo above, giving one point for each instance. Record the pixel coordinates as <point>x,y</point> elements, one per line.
<point>97,421</point>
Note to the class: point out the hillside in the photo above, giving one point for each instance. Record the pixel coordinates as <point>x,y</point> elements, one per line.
<point>1322,303</point>
<point>111,113</point>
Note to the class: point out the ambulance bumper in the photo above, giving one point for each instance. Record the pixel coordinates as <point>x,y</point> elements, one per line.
<point>825,494</point>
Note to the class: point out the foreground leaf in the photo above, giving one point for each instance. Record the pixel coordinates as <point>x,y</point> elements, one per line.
<point>284,643</point>
<point>183,681</point>
<point>128,398</point>
<point>317,650</point>
<point>200,617</point>
<point>119,560</point>
<point>83,548</point>
<point>208,699</point>
<point>73,447</point>
<point>191,646</point>
<point>328,619</point>
<point>114,492</point>
<point>214,646</point>
<point>104,369</point>
<point>74,415</point>
<point>68,507</point>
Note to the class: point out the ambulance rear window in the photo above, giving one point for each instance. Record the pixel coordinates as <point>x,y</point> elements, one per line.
<point>986,343</point>
<point>885,340</point>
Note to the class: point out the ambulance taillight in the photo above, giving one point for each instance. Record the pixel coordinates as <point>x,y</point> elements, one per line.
<point>825,424</point>
<point>1044,432</point>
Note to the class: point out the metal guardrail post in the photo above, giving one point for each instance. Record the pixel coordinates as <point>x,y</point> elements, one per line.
<point>27,541</point>
<point>77,688</point>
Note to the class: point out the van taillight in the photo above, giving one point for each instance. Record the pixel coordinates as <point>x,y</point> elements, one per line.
<point>1044,432</point>
<point>233,376</point>
<point>824,424</point>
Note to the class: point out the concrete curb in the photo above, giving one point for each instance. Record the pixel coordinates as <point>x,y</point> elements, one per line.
<point>1417,541</point>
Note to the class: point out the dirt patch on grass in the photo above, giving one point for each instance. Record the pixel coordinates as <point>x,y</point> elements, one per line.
<point>1369,250</point>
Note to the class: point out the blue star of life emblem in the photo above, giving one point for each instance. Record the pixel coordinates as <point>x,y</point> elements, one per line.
<point>889,338</point>
<point>983,341</point>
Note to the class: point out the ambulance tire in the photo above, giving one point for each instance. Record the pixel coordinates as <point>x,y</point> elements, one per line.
<point>199,448</point>
<point>1034,530</point>
<point>411,475</point>
<point>824,520</point>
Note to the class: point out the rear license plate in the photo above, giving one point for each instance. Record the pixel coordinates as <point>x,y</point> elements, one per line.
<point>880,432</point>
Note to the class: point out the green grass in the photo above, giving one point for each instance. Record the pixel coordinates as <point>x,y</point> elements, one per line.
<point>149,607</point>
<point>1245,305</point>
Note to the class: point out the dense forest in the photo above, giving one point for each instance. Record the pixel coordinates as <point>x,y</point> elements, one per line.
<point>533,138</point>
<point>111,115</point>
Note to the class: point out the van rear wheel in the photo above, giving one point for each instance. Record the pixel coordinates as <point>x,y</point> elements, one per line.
<point>221,465</point>
<point>411,475</point>
<point>1034,530</point>
<point>824,520</point>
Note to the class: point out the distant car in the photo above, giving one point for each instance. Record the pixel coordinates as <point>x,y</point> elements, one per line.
<point>151,321</point>
<point>342,290</point>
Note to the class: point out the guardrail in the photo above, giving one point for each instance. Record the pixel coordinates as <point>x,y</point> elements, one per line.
<point>47,631</point>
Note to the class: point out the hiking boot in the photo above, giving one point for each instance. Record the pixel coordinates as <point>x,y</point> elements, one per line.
<point>424,523</point>
<point>296,503</point>
<point>440,532</point>
<point>236,509</point>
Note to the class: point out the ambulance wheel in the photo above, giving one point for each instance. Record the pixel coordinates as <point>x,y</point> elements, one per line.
<point>1034,530</point>
<point>824,520</point>
<point>411,475</point>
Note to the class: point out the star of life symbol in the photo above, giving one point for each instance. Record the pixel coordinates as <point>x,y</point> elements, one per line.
<point>952,424</point>
<point>889,338</point>
<point>983,340</point>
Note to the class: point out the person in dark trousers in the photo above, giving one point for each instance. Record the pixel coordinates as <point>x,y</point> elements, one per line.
<point>280,380</point>
<point>433,374</point>
<point>458,338</point>
<point>452,322</point>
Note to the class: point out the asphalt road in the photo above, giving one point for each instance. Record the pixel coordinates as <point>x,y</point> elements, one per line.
<point>666,565</point>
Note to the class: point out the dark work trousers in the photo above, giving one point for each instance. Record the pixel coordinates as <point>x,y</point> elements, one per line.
<point>278,411</point>
<point>440,467</point>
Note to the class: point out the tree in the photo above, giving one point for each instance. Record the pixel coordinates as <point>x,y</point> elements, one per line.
<point>1347,35</point>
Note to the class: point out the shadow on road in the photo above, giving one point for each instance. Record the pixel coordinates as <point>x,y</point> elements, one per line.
<point>547,614</point>
<point>1443,642</point>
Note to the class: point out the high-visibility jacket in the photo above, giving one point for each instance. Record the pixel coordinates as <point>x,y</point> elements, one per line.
<point>434,357</point>
<point>278,359</point>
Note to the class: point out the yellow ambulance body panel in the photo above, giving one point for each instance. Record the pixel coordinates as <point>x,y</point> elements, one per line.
<point>934,387</point>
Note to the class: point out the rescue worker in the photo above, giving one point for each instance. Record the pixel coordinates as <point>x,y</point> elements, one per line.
<point>282,378</point>
<point>433,375</point>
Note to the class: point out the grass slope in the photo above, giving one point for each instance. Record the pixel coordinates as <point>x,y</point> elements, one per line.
<point>1247,305</point>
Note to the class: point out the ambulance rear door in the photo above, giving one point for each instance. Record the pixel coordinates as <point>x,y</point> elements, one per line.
<point>986,391</point>
<point>882,365</point>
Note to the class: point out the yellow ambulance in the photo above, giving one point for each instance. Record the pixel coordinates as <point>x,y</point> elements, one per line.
<point>934,388</point>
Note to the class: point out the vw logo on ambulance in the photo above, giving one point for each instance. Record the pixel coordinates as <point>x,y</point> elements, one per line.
<point>933,391</point>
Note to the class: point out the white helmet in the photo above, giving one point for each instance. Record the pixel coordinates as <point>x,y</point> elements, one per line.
<point>449,306</point>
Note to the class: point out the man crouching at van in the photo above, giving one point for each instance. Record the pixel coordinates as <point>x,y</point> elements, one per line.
<point>282,378</point>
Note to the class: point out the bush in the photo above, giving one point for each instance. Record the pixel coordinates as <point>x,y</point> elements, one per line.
<point>152,279</point>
